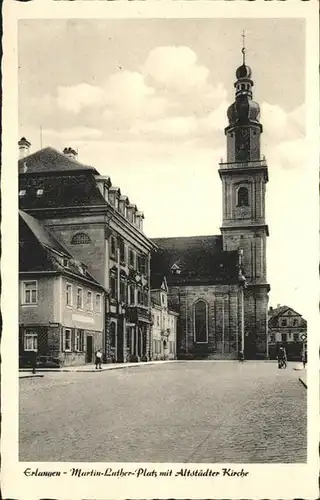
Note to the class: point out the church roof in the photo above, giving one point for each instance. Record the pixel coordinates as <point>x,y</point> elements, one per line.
<point>40,251</point>
<point>194,260</point>
<point>51,160</point>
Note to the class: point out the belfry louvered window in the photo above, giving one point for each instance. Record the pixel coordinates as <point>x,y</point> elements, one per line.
<point>243,197</point>
<point>80,239</point>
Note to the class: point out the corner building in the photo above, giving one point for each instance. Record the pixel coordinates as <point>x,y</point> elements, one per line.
<point>219,283</point>
<point>99,226</point>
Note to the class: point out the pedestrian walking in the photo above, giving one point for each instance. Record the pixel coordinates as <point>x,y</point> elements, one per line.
<point>98,359</point>
<point>305,358</point>
<point>282,358</point>
<point>241,356</point>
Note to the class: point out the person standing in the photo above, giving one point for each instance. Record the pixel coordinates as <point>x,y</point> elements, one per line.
<point>282,357</point>
<point>98,359</point>
<point>305,358</point>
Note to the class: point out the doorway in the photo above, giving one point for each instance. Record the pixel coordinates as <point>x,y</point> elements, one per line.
<point>89,349</point>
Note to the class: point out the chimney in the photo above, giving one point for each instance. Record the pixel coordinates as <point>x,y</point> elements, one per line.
<point>270,309</point>
<point>70,153</point>
<point>24,147</point>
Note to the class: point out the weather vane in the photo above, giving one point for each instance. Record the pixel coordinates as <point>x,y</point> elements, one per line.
<point>243,47</point>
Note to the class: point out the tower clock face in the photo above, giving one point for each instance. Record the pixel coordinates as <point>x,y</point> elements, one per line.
<point>242,145</point>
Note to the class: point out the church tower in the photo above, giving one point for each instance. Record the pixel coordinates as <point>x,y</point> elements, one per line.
<point>244,176</point>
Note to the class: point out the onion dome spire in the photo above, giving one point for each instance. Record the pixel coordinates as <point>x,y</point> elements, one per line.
<point>244,109</point>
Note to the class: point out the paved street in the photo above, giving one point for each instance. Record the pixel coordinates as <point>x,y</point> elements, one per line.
<point>202,411</point>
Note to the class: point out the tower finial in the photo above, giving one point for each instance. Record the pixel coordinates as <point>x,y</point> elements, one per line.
<point>243,47</point>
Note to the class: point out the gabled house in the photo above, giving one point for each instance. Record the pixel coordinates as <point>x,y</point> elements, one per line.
<point>164,321</point>
<point>61,313</point>
<point>286,327</point>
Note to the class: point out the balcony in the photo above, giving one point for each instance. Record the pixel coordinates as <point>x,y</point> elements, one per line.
<point>240,165</point>
<point>135,314</point>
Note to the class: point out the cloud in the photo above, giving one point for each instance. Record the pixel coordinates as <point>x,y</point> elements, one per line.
<point>74,134</point>
<point>175,68</point>
<point>77,97</point>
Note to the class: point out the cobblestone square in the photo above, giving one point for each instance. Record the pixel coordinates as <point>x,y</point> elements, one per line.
<point>196,412</point>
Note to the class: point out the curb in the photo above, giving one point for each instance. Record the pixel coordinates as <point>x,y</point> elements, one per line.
<point>30,376</point>
<point>303,382</point>
<point>93,370</point>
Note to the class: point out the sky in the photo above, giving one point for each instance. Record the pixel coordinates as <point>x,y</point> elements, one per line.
<point>145,101</point>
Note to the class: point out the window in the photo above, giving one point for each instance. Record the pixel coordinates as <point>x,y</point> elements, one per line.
<point>283,337</point>
<point>22,192</point>
<point>80,239</point>
<point>30,341</point>
<point>79,298</point>
<point>200,322</point>
<point>131,258</point>
<point>140,298</point>
<point>67,339</point>
<point>122,251</point>
<point>243,197</point>
<point>123,288</point>
<point>146,297</point>
<point>69,294</point>
<point>283,322</point>
<point>30,292</point>
<point>65,262</point>
<point>295,322</point>
<point>131,293</point>
<point>113,246</point>
<point>112,334</point>
<point>98,302</point>
<point>79,341</point>
<point>89,301</point>
<point>296,337</point>
<point>113,287</point>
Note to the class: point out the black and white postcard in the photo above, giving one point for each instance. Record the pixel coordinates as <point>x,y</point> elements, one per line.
<point>160,250</point>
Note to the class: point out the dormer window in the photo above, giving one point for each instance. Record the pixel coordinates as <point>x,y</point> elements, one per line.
<point>39,192</point>
<point>66,262</point>
<point>22,192</point>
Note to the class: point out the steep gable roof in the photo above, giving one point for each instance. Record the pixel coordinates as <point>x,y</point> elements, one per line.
<point>39,250</point>
<point>275,314</point>
<point>50,160</point>
<point>198,259</point>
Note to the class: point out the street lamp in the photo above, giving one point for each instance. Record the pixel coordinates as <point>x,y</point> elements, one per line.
<point>243,284</point>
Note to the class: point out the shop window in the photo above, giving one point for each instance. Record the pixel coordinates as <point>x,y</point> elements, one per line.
<point>67,339</point>
<point>30,341</point>
<point>200,322</point>
<point>79,341</point>
<point>80,239</point>
<point>29,292</point>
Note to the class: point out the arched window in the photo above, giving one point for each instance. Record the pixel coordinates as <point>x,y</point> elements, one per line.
<point>243,197</point>
<point>200,313</point>
<point>80,239</point>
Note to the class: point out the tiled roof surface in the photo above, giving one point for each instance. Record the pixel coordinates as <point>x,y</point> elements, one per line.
<point>65,190</point>
<point>200,259</point>
<point>50,160</point>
